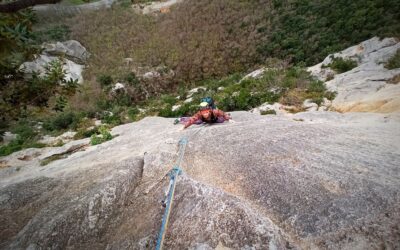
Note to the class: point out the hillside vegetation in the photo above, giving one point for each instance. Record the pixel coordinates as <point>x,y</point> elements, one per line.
<point>203,39</point>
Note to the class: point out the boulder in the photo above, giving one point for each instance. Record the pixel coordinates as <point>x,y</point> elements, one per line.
<point>72,54</point>
<point>277,107</point>
<point>97,123</point>
<point>188,100</point>
<point>151,75</point>
<point>195,90</point>
<point>70,49</point>
<point>73,70</point>
<point>176,107</point>
<point>118,88</point>
<point>255,74</point>
<point>8,137</point>
<point>308,103</point>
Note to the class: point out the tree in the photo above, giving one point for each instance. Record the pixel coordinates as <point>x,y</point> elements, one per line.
<point>14,6</point>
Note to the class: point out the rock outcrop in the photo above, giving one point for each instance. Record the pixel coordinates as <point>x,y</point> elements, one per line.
<point>312,180</point>
<point>367,87</point>
<point>70,49</point>
<point>155,7</point>
<point>71,53</point>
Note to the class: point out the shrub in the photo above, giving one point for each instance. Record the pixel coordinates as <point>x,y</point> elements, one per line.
<point>330,95</point>
<point>167,111</point>
<point>105,80</point>
<point>121,99</point>
<point>342,65</point>
<point>84,129</point>
<point>10,148</point>
<point>316,86</point>
<point>61,103</point>
<point>244,100</point>
<point>21,96</point>
<point>318,100</point>
<point>394,62</point>
<point>62,121</point>
<point>294,97</point>
<point>52,33</point>
<point>132,79</point>
<point>132,113</point>
<point>171,100</point>
<point>24,131</point>
<point>111,119</point>
<point>26,137</point>
<point>104,135</point>
<point>85,133</point>
<point>187,109</point>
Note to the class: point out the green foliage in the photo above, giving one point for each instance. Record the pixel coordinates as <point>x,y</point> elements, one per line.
<point>309,30</point>
<point>186,109</point>
<point>63,121</point>
<point>171,100</point>
<point>121,99</point>
<point>105,80</point>
<point>52,33</point>
<point>244,100</point>
<point>16,41</point>
<point>26,137</point>
<point>85,133</point>
<point>290,85</point>
<point>24,130</point>
<point>167,111</point>
<point>18,96</point>
<point>104,135</point>
<point>10,148</point>
<point>394,62</point>
<point>85,128</point>
<point>132,79</point>
<point>316,86</point>
<point>342,65</point>
<point>61,103</point>
<point>133,113</point>
<point>111,119</point>
<point>330,95</point>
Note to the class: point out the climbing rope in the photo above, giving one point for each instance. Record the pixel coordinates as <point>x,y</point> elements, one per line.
<point>173,174</point>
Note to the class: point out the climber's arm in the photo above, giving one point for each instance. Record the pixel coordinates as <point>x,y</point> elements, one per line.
<point>192,120</point>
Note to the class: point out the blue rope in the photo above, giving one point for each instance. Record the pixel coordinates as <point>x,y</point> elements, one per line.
<point>182,146</point>
<point>173,174</point>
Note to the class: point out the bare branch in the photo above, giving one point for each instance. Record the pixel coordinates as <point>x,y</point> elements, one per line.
<point>22,4</point>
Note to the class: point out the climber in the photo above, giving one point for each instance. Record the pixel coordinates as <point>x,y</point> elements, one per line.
<point>208,113</point>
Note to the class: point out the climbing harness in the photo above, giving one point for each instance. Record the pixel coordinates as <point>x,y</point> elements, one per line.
<point>173,174</point>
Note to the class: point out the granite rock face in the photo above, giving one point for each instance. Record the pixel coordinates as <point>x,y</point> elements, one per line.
<point>369,87</point>
<point>310,180</point>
